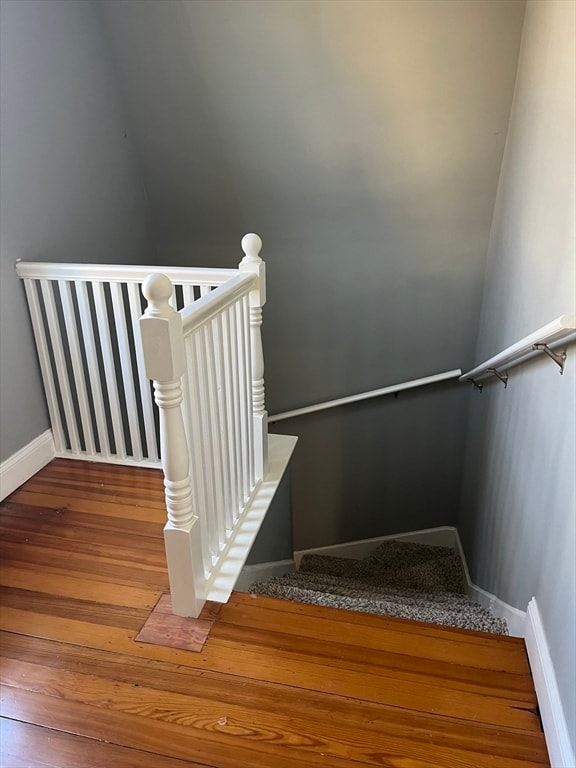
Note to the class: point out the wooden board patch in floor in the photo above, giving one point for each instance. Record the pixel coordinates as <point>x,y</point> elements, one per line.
<point>164,628</point>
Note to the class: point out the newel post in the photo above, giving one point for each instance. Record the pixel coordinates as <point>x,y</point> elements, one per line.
<point>251,245</point>
<point>163,346</point>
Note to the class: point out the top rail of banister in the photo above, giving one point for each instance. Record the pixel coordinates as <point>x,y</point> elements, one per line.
<point>115,273</point>
<point>562,330</point>
<point>209,306</point>
<point>412,384</point>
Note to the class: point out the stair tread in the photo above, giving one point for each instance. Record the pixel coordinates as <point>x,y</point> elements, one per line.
<point>399,579</point>
<point>393,623</point>
<point>342,585</point>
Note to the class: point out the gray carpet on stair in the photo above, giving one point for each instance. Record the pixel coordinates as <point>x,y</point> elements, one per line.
<point>407,581</point>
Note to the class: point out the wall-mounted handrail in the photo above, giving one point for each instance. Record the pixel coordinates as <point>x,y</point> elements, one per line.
<point>366,395</point>
<point>559,332</point>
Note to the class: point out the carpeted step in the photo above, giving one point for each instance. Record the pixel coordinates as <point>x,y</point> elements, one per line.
<point>332,566</point>
<point>341,585</point>
<point>404,580</point>
<point>462,613</point>
<point>395,563</point>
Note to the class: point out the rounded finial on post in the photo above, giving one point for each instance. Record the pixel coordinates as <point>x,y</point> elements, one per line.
<point>251,245</point>
<point>157,290</point>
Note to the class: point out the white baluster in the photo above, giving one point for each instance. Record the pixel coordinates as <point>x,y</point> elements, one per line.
<point>40,336</point>
<point>251,245</point>
<point>198,470</point>
<point>163,345</point>
<point>235,389</point>
<point>61,370</point>
<point>145,394</point>
<point>110,373</point>
<point>127,372</point>
<point>87,324</point>
<point>65,288</point>
<point>243,397</point>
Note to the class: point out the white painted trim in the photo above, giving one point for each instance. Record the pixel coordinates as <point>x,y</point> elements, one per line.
<point>23,464</point>
<point>460,549</point>
<point>366,395</point>
<point>515,618</point>
<point>444,536</point>
<point>100,459</point>
<point>553,719</point>
<point>233,556</point>
<point>115,273</point>
<point>214,303</point>
<point>262,572</point>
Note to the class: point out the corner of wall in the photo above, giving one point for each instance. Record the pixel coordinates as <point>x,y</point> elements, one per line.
<point>23,464</point>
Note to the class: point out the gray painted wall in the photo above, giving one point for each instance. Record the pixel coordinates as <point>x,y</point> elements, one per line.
<point>372,469</point>
<point>519,504</point>
<point>71,189</point>
<point>363,141</point>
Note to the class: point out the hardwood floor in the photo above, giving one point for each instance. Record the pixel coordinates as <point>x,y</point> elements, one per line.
<point>277,684</point>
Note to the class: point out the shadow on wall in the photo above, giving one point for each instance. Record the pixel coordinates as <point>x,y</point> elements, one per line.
<point>378,467</point>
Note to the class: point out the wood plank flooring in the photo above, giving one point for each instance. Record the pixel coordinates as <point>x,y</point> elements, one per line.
<point>277,684</point>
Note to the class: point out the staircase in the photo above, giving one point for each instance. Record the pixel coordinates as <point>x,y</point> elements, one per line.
<point>404,580</point>
<point>277,684</point>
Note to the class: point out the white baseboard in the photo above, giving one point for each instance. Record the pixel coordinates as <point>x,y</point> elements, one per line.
<point>444,536</point>
<point>515,618</point>
<point>553,719</point>
<point>262,571</point>
<point>22,465</point>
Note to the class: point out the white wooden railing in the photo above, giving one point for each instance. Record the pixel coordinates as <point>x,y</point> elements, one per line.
<point>207,366</point>
<point>205,422</point>
<point>85,319</point>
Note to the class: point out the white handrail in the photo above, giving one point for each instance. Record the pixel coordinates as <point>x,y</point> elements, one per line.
<point>115,273</point>
<point>366,395</point>
<point>207,307</point>
<point>207,368</point>
<point>561,330</point>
